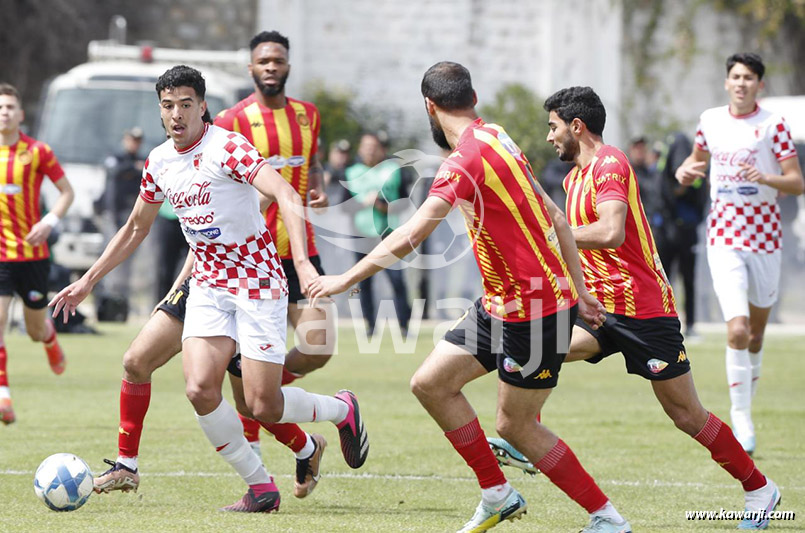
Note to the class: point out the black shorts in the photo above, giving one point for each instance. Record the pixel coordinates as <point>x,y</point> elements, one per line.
<point>652,347</point>
<point>176,302</point>
<point>528,355</point>
<point>176,306</point>
<point>29,279</point>
<point>294,290</point>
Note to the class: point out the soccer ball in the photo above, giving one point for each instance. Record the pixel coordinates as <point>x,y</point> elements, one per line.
<point>63,482</point>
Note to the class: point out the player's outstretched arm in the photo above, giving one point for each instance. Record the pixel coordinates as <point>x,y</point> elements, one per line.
<point>693,167</point>
<point>125,241</point>
<point>273,186</point>
<point>397,245</point>
<point>590,309</point>
<point>789,182</point>
<point>41,230</point>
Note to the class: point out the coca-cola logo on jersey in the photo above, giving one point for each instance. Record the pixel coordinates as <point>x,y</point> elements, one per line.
<point>746,156</point>
<point>198,194</point>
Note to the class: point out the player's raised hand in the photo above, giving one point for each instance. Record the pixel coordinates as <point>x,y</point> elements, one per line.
<point>39,233</point>
<point>591,310</point>
<point>69,297</point>
<point>688,173</point>
<point>752,174</point>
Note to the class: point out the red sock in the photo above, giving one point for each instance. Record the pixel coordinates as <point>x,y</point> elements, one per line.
<point>50,337</point>
<point>3,361</point>
<point>564,470</point>
<point>134,400</point>
<point>470,442</point>
<point>288,376</point>
<point>717,437</point>
<point>291,435</point>
<point>261,488</point>
<point>251,428</point>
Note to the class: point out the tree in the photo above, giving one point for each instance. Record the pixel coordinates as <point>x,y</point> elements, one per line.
<point>520,112</point>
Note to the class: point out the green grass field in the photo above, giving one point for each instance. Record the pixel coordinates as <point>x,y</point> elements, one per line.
<point>413,480</point>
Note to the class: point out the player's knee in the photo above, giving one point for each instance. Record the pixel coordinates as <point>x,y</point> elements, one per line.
<point>423,387</point>
<point>203,399</point>
<point>270,413</point>
<point>738,335</point>
<point>134,369</point>
<point>755,342</point>
<point>506,427</point>
<point>36,332</point>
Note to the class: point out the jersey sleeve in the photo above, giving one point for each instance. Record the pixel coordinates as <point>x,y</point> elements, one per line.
<point>49,165</point>
<point>453,183</point>
<point>700,143</point>
<point>782,145</point>
<point>240,160</point>
<point>227,119</point>
<point>611,179</point>
<point>149,190</point>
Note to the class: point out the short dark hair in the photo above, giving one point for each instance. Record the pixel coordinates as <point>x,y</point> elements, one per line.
<point>10,90</point>
<point>269,37</point>
<point>581,103</point>
<point>752,61</point>
<point>449,86</point>
<point>184,76</point>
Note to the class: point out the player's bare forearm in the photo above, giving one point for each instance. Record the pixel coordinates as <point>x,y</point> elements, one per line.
<point>609,231</point>
<point>65,199</point>
<point>315,175</point>
<point>569,250</point>
<point>274,187</point>
<point>401,241</point>
<point>789,182</point>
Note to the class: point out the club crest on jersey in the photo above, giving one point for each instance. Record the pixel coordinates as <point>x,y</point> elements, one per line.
<point>656,366</point>
<point>197,161</point>
<point>25,157</point>
<point>510,365</point>
<point>302,120</point>
<point>211,233</point>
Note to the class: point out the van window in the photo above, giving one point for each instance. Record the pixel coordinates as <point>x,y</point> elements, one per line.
<point>85,125</point>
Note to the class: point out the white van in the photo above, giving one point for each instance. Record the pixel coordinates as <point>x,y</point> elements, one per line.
<point>87,109</point>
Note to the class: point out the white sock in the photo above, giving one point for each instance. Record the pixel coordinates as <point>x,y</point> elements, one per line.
<point>496,494</point>
<point>307,450</point>
<point>5,392</point>
<point>609,511</point>
<point>225,432</point>
<point>739,378</point>
<point>302,406</point>
<point>756,359</point>
<point>128,462</point>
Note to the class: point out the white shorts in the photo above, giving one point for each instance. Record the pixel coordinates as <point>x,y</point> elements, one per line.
<point>257,325</point>
<point>741,278</point>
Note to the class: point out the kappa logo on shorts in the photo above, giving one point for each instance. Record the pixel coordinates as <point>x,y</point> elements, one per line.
<point>510,365</point>
<point>545,374</point>
<point>35,296</point>
<point>682,357</point>
<point>656,366</point>
<point>266,346</point>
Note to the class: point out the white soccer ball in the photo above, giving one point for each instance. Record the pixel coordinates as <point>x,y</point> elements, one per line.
<point>63,482</point>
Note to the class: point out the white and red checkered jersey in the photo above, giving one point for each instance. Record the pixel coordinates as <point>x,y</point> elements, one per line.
<point>209,186</point>
<point>744,215</point>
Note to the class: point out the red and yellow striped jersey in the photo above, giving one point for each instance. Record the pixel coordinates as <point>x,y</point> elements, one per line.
<point>515,243</point>
<point>23,166</point>
<point>288,139</point>
<point>628,280</point>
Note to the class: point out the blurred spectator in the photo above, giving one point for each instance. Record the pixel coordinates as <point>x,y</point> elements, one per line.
<point>648,180</point>
<point>171,249</point>
<point>374,182</point>
<point>553,177</point>
<point>685,210</point>
<point>123,174</point>
<point>336,166</point>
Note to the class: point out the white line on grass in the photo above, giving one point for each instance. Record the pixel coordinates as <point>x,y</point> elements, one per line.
<point>408,477</point>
